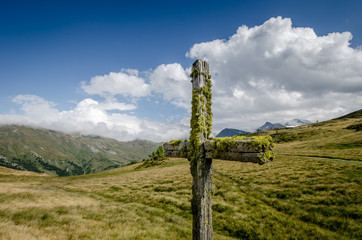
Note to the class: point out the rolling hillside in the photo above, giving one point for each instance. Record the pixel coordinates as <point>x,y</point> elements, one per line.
<point>312,190</point>
<point>339,139</point>
<point>51,152</point>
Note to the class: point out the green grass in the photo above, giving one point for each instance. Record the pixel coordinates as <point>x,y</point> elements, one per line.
<point>312,190</point>
<point>330,139</point>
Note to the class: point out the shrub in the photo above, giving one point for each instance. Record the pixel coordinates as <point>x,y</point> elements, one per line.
<point>156,158</point>
<point>357,127</point>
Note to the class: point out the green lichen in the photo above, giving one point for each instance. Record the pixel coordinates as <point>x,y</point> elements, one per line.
<point>201,102</point>
<point>175,142</point>
<point>201,127</point>
<point>208,94</point>
<point>220,145</point>
<point>194,72</point>
<point>264,144</point>
<point>183,151</point>
<point>195,131</point>
<point>203,106</point>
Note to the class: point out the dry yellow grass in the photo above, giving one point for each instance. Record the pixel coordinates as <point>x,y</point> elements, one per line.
<point>124,205</point>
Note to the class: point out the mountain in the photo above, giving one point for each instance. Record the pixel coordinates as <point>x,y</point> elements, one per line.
<point>291,123</point>
<point>296,123</point>
<point>230,132</point>
<point>269,125</point>
<point>56,153</point>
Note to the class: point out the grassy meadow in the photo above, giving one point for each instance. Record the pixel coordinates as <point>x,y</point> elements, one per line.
<point>312,190</point>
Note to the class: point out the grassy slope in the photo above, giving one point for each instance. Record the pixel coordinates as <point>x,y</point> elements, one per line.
<point>53,152</point>
<point>330,139</point>
<point>310,191</point>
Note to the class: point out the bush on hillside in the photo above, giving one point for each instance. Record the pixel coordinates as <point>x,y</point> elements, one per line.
<point>156,158</point>
<point>357,127</point>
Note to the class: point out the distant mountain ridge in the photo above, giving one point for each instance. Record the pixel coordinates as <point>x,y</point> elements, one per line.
<point>291,123</point>
<point>296,123</point>
<point>268,126</point>
<point>56,153</point>
<point>230,132</point>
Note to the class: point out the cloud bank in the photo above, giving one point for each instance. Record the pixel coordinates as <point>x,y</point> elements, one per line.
<point>272,72</point>
<point>276,72</point>
<point>92,117</point>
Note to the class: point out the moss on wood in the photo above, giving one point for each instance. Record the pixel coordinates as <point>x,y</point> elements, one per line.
<point>262,144</point>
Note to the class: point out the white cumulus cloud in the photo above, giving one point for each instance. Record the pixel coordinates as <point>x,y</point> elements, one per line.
<point>126,83</point>
<point>92,117</point>
<point>275,71</point>
<point>172,81</point>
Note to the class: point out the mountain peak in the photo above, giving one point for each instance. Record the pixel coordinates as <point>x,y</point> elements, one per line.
<point>230,132</point>
<point>296,123</point>
<point>269,125</point>
<point>292,123</point>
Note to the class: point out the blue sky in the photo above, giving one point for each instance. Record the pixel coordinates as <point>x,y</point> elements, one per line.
<point>50,51</point>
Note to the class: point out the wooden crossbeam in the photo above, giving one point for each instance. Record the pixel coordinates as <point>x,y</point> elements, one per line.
<point>241,149</point>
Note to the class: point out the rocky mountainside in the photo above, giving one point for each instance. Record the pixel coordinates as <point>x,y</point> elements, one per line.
<point>296,123</point>
<point>56,153</point>
<point>291,123</point>
<point>230,132</point>
<point>269,125</point>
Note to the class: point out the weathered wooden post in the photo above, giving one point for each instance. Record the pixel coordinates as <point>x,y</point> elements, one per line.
<point>200,151</point>
<point>201,167</point>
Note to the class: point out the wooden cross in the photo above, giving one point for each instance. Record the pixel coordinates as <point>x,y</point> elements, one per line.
<point>200,150</point>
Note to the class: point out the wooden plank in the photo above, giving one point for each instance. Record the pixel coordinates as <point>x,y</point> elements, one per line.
<point>201,167</point>
<point>246,150</point>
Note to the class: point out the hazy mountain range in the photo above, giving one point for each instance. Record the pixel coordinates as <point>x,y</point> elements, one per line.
<point>291,123</point>
<point>229,132</point>
<point>56,153</point>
